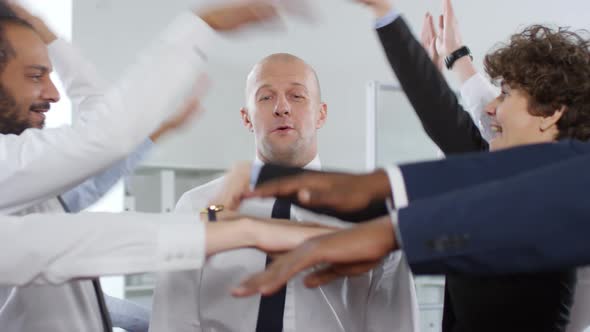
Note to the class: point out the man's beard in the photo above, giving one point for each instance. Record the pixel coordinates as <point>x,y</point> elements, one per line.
<point>12,119</point>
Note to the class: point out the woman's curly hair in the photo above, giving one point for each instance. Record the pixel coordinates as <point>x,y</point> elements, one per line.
<point>553,67</point>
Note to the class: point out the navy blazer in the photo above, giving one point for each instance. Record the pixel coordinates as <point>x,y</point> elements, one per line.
<point>520,210</point>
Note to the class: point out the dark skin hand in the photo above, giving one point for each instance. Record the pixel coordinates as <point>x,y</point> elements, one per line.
<point>338,191</point>
<point>346,253</point>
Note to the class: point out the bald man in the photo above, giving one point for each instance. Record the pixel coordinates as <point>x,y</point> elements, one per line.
<point>284,111</point>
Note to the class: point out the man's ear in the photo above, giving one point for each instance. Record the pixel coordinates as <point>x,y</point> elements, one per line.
<point>246,119</point>
<point>323,116</point>
<point>550,121</point>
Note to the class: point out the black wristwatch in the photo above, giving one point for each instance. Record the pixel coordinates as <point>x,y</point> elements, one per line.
<point>458,54</point>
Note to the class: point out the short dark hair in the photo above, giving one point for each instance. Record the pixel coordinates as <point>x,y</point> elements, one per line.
<point>553,67</point>
<point>8,17</point>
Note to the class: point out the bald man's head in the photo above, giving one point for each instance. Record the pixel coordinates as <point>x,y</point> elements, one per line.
<point>279,63</point>
<point>284,109</point>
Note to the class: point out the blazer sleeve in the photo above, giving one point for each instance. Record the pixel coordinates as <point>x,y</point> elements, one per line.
<point>443,118</point>
<point>532,222</point>
<point>426,179</point>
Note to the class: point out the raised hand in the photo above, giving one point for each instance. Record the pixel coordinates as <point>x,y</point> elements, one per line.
<point>449,36</point>
<point>239,14</point>
<point>187,113</point>
<point>429,39</point>
<point>236,184</point>
<point>379,7</point>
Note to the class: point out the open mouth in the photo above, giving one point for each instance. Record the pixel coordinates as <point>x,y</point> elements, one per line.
<point>496,128</point>
<point>39,113</point>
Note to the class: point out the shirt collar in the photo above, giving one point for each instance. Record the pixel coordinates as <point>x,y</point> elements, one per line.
<point>315,164</point>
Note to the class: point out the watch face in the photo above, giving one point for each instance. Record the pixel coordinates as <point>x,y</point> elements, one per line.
<point>216,208</point>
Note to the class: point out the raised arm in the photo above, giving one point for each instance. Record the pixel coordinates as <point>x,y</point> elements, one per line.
<point>435,103</point>
<point>49,162</point>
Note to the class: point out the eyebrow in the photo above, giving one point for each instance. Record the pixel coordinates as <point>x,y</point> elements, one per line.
<point>292,83</point>
<point>41,68</point>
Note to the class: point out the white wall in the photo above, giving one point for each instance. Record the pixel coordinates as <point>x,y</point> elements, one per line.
<point>342,47</point>
<point>58,15</point>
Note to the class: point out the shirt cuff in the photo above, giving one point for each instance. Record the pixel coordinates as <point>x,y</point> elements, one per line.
<point>395,222</point>
<point>387,19</point>
<point>254,174</point>
<point>398,188</point>
<point>476,93</point>
<point>477,88</point>
<point>182,246</point>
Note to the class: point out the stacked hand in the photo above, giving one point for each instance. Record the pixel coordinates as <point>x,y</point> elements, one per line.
<point>277,235</point>
<point>338,191</point>
<point>346,253</point>
<point>271,236</point>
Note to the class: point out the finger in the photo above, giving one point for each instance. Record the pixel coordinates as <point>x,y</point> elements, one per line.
<point>279,272</point>
<point>431,27</point>
<point>351,270</point>
<point>291,185</point>
<point>232,216</point>
<point>321,277</point>
<point>448,9</point>
<point>191,109</point>
<point>324,198</point>
<point>441,23</point>
<point>275,188</point>
<point>425,35</point>
<point>261,11</point>
<point>433,48</point>
<point>338,271</point>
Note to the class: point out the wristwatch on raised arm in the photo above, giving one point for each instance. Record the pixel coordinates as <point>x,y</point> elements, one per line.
<point>458,54</point>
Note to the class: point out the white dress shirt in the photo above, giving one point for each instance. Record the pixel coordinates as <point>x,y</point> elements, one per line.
<point>381,300</point>
<point>476,93</point>
<point>44,163</point>
<point>95,244</point>
<point>41,164</point>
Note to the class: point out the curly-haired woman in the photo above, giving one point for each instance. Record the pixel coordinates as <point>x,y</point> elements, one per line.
<point>545,78</point>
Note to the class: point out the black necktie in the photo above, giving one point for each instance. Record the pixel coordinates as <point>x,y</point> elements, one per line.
<point>272,308</point>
